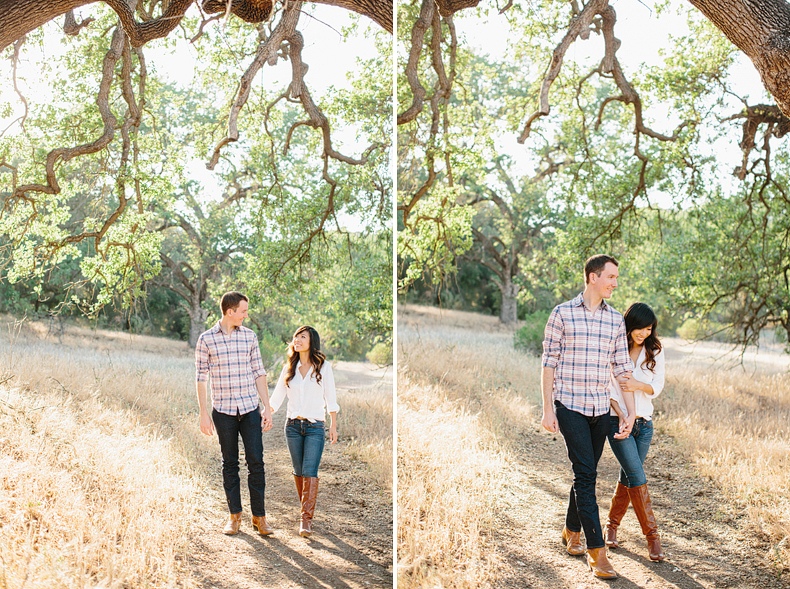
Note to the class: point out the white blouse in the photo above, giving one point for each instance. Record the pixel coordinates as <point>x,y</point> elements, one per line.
<point>306,397</point>
<point>643,403</point>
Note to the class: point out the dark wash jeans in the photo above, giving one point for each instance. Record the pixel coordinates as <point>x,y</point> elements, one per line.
<point>631,451</point>
<point>584,439</point>
<point>306,444</point>
<point>229,427</point>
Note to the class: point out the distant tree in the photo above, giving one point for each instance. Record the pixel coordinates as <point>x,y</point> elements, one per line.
<point>732,264</point>
<point>198,244</point>
<point>509,230</point>
<point>106,119</point>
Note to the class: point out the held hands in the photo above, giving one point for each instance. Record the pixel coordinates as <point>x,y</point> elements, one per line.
<point>626,425</point>
<point>266,419</point>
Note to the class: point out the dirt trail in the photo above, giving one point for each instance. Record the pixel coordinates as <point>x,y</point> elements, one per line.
<point>708,541</point>
<point>351,545</point>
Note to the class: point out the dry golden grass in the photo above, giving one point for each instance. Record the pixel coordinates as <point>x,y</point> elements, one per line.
<point>80,506</point>
<point>471,360</point>
<point>456,367</point>
<point>449,472</point>
<point>102,466</point>
<point>462,391</point>
<point>366,417</point>
<point>735,426</point>
<point>92,491</point>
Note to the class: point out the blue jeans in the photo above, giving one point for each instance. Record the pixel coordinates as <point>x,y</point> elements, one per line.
<point>584,439</point>
<point>631,451</point>
<point>306,444</point>
<point>229,427</point>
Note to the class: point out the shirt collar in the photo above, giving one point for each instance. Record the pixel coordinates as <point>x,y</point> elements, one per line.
<point>218,329</point>
<point>299,363</point>
<point>579,302</point>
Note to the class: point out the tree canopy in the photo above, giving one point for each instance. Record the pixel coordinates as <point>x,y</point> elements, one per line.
<point>100,152</point>
<point>630,157</point>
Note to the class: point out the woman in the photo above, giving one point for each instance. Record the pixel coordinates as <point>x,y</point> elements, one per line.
<point>308,382</point>
<point>632,402</point>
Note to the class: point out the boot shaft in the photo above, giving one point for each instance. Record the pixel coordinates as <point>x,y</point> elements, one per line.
<point>299,486</point>
<point>643,508</point>
<point>619,506</point>
<point>309,494</point>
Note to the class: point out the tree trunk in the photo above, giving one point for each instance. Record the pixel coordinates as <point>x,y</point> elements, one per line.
<point>197,321</point>
<point>19,17</point>
<point>508,312</point>
<point>761,29</point>
<point>379,11</point>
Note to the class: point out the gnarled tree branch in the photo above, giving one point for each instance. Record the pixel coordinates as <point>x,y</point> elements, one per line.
<point>70,25</point>
<point>579,27</point>
<point>266,53</point>
<point>755,116</point>
<point>418,31</point>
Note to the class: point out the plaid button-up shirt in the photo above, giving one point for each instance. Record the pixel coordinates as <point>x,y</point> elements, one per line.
<point>585,349</point>
<point>234,362</point>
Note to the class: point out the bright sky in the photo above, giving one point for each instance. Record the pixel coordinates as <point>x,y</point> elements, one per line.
<point>329,56</point>
<point>642,33</point>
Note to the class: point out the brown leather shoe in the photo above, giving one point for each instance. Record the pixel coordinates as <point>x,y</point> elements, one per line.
<point>259,524</point>
<point>599,563</point>
<point>299,486</point>
<point>643,508</point>
<point>309,493</point>
<point>573,541</point>
<point>233,525</point>
<point>619,506</point>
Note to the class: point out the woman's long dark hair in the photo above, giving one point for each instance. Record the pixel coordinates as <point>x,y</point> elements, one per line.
<point>640,316</point>
<point>317,357</point>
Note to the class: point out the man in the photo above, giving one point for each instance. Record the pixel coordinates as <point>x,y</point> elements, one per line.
<point>585,343</point>
<point>230,354</point>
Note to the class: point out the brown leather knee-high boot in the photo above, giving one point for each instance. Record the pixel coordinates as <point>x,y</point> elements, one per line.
<point>643,508</point>
<point>309,492</point>
<point>619,506</point>
<point>299,486</point>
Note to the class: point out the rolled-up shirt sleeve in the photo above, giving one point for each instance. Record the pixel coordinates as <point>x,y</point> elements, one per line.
<point>201,361</point>
<point>256,362</point>
<point>659,377</point>
<point>621,361</point>
<point>552,339</point>
<point>328,382</point>
<point>280,391</point>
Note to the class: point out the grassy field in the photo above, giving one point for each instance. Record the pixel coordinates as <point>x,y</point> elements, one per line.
<point>366,420</point>
<point>464,392</point>
<point>735,426</point>
<point>102,466</point>
<point>462,389</point>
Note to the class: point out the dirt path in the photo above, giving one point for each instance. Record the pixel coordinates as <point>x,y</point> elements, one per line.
<point>708,541</point>
<point>351,546</point>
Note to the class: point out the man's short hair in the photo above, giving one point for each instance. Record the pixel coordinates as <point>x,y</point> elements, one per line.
<point>230,301</point>
<point>596,264</point>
